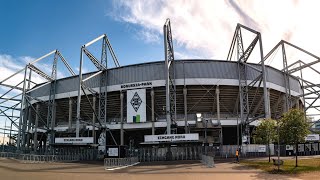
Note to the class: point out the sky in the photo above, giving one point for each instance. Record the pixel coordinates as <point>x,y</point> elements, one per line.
<point>201,29</point>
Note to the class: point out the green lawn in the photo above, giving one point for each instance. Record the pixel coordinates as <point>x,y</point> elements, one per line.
<point>288,167</point>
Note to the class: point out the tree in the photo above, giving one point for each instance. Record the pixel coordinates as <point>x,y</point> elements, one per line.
<point>294,128</point>
<point>265,133</point>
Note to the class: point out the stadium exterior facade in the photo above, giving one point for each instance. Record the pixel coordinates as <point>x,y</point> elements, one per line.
<point>220,101</point>
<point>200,86</point>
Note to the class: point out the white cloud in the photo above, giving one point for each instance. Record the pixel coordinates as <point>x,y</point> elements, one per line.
<point>207,26</point>
<point>184,55</point>
<point>8,61</point>
<point>27,59</point>
<point>10,65</point>
<point>204,29</point>
<point>149,36</point>
<point>84,70</point>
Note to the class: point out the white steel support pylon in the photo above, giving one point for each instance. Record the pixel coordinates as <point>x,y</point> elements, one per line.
<point>102,66</point>
<point>242,56</point>
<point>171,113</point>
<point>25,102</point>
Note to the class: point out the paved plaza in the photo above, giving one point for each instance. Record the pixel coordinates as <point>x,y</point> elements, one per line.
<point>14,170</point>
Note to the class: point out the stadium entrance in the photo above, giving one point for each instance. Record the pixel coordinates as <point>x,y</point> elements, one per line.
<point>169,147</point>
<point>169,151</point>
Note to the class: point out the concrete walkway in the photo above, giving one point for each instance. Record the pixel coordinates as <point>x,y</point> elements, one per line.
<point>14,170</point>
<point>284,157</point>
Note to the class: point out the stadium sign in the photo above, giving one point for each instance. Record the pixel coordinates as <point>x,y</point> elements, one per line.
<point>171,137</point>
<point>312,137</point>
<point>136,106</point>
<point>74,140</point>
<point>136,85</point>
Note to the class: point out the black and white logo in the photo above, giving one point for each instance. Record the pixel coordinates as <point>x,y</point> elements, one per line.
<point>136,101</point>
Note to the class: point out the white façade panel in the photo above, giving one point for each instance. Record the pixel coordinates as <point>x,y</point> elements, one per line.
<point>136,106</point>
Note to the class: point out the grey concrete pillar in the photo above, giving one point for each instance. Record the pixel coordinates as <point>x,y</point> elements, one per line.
<point>218,111</point>
<point>268,104</point>
<point>53,123</point>
<point>218,103</point>
<point>297,103</point>
<point>152,111</point>
<point>185,91</point>
<point>70,114</point>
<point>221,136</point>
<point>284,105</point>
<point>121,118</point>
<point>35,134</point>
<point>94,99</point>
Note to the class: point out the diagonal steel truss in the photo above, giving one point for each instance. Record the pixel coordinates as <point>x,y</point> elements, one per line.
<point>26,85</point>
<point>242,56</point>
<point>310,90</point>
<point>24,98</point>
<point>102,66</point>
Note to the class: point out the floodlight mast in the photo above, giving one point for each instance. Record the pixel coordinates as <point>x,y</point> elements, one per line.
<point>171,112</point>
<point>306,85</point>
<point>25,101</point>
<point>247,114</point>
<point>102,66</point>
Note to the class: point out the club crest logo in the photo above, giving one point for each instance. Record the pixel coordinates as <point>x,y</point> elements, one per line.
<point>136,101</point>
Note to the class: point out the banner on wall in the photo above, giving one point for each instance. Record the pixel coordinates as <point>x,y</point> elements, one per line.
<point>136,106</point>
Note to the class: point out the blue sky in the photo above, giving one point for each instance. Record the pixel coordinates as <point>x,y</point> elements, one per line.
<point>34,28</point>
<point>200,29</point>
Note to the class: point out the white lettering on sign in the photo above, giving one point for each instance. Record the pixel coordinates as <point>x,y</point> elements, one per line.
<point>136,85</point>
<point>82,140</point>
<point>312,137</point>
<point>171,137</point>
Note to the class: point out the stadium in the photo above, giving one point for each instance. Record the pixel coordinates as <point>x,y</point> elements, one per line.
<point>180,103</point>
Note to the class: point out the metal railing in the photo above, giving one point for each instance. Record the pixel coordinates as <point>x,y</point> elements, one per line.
<point>8,155</point>
<point>110,163</point>
<point>30,158</point>
<point>207,161</point>
<point>164,154</point>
